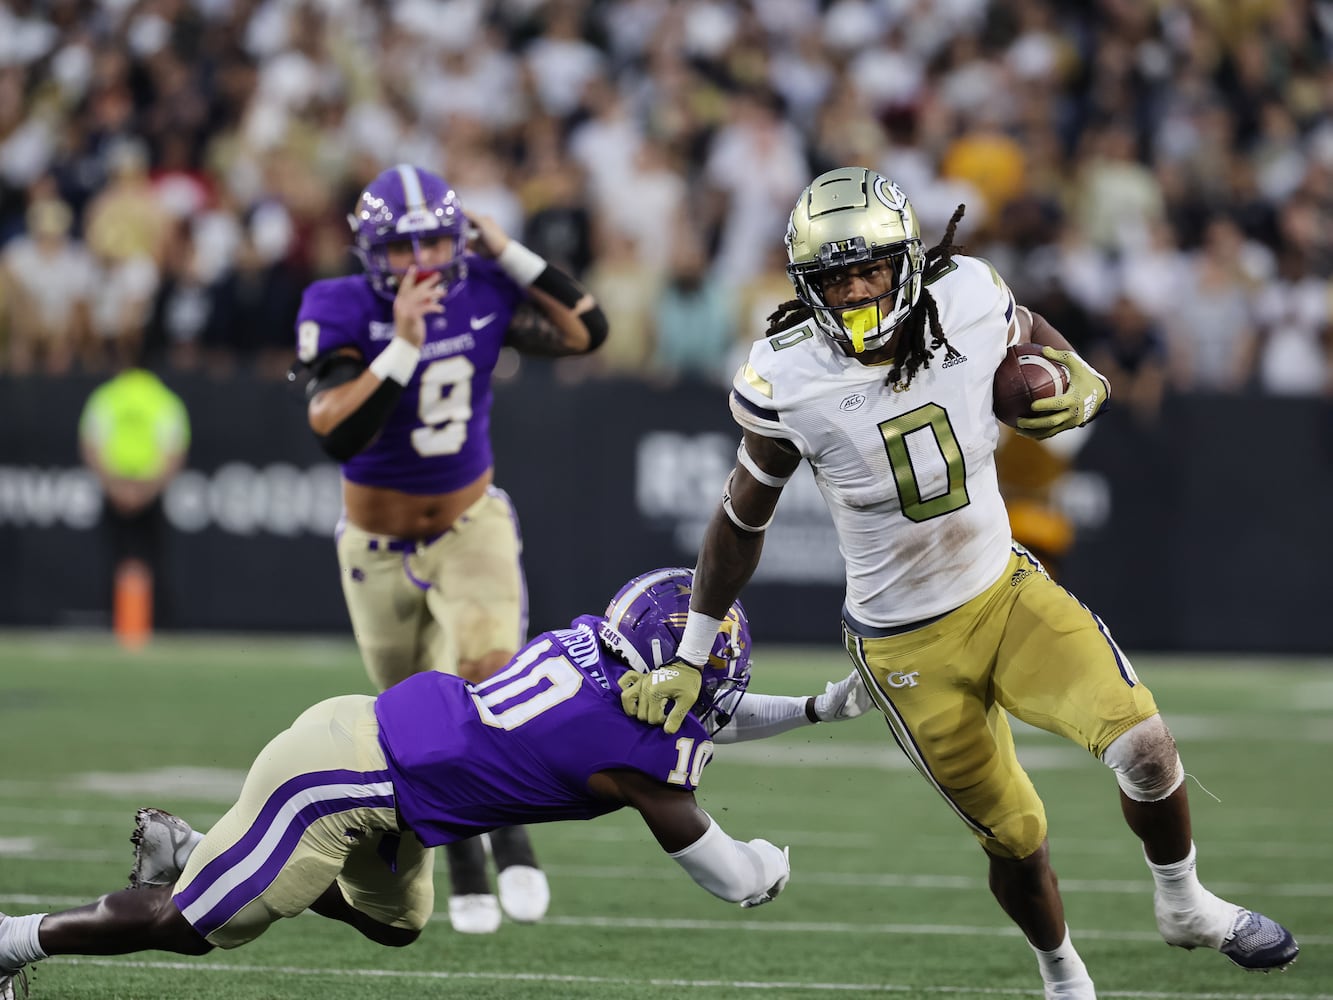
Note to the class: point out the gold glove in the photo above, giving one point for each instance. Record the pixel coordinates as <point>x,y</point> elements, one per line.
<point>645,696</point>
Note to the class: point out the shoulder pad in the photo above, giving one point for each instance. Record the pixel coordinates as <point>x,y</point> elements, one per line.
<point>969,291</point>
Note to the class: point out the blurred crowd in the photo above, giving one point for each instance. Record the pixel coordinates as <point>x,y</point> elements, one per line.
<point>1154,176</point>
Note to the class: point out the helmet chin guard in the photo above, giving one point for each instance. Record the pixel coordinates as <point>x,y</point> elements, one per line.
<point>645,623</point>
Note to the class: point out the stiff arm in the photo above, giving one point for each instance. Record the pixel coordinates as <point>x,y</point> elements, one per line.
<point>734,540</point>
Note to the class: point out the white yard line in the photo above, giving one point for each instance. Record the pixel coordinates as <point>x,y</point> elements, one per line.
<point>615,983</point>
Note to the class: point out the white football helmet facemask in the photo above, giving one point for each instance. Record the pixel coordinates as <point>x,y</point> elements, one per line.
<point>852,216</point>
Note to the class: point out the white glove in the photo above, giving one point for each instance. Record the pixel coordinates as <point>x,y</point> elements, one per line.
<point>844,700</point>
<point>769,894</point>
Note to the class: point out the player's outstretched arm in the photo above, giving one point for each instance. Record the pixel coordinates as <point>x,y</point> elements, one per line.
<point>759,716</point>
<point>731,549</point>
<point>749,873</point>
<point>563,318</point>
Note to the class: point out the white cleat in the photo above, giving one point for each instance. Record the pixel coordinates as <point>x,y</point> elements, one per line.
<point>13,984</point>
<point>477,913</point>
<point>524,893</point>
<point>163,844</point>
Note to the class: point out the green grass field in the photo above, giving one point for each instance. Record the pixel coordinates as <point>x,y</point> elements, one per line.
<point>888,892</point>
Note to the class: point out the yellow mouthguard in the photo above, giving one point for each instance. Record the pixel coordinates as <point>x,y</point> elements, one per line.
<point>859,323</point>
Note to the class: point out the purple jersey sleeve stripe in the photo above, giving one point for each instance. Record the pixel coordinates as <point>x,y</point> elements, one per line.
<point>326,791</point>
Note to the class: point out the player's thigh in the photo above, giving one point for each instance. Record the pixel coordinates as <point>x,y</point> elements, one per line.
<point>315,792</point>
<point>478,594</point>
<point>391,880</point>
<point>934,691</point>
<point>1059,669</point>
<point>387,606</point>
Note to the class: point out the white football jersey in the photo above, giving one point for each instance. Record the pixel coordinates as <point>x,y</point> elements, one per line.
<point>908,475</point>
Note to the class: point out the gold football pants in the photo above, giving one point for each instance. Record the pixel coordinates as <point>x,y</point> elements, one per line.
<point>1024,646</point>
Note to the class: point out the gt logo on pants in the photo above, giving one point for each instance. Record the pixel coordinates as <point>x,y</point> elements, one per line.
<point>898,679</point>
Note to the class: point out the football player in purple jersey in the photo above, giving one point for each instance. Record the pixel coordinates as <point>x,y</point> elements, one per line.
<point>400,361</point>
<point>339,813</point>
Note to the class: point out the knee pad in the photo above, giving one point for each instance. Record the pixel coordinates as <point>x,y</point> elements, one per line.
<point>1144,759</point>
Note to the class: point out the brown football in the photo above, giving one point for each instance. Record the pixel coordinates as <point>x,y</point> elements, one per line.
<point>1024,376</point>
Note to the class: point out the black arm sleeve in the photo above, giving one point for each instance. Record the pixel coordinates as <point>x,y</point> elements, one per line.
<point>360,426</point>
<point>329,370</point>
<point>565,290</point>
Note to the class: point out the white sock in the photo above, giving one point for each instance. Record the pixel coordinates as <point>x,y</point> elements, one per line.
<point>1178,882</point>
<point>1062,964</point>
<point>18,941</point>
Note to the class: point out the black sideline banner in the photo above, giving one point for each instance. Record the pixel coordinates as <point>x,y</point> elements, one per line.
<point>1209,533</point>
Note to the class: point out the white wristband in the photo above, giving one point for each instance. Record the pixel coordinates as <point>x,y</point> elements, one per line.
<point>697,642</point>
<point>520,263</point>
<point>397,361</point>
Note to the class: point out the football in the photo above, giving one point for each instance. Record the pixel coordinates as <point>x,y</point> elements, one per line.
<point>1024,376</point>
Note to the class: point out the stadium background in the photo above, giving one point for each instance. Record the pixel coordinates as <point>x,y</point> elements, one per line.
<point>1154,177</point>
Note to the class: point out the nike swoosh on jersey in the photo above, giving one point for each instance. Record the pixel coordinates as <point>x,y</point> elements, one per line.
<point>484,321</point>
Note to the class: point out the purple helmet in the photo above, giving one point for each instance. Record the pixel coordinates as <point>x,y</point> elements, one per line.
<point>406,203</point>
<point>645,622</point>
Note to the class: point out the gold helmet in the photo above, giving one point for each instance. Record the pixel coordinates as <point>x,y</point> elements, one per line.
<point>851,216</point>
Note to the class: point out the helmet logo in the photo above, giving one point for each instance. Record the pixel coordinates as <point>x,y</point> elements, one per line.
<point>890,194</point>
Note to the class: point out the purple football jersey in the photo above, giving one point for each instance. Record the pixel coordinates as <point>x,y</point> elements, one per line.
<point>438,437</point>
<point>519,747</point>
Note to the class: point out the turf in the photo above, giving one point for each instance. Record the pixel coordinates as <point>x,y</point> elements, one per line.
<point>888,894</point>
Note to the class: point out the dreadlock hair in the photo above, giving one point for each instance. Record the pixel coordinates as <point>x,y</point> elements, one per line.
<point>911,353</point>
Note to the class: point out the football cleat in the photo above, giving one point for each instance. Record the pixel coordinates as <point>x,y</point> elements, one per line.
<point>163,844</point>
<point>476,913</point>
<point>13,984</point>
<point>1259,944</point>
<point>524,893</point>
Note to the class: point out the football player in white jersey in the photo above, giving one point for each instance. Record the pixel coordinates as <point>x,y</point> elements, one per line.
<point>879,374</point>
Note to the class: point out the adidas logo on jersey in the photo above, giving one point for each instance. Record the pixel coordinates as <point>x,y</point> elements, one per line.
<point>952,356</point>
